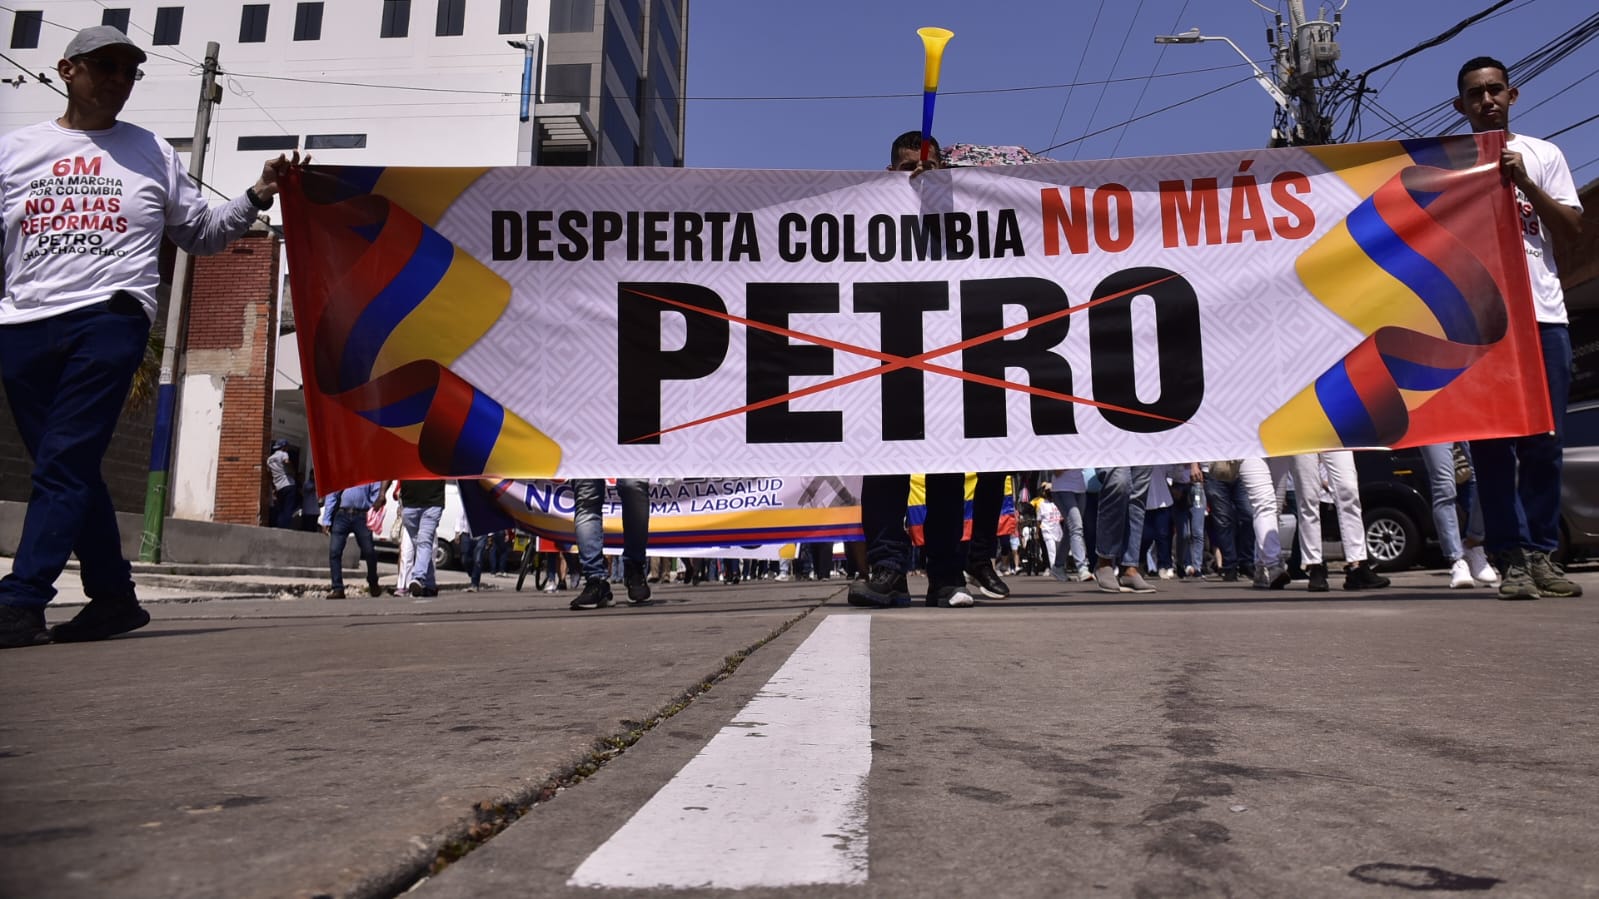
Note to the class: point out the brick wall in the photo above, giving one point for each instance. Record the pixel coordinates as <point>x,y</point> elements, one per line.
<point>231,335</point>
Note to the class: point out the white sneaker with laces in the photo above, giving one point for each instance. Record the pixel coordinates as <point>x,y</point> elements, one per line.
<point>1460,576</point>
<point>1481,571</point>
<point>1167,574</point>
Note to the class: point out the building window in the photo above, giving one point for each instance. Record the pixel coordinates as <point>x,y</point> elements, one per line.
<point>25,29</point>
<point>615,131</point>
<point>452,18</point>
<point>168,26</point>
<point>568,83</point>
<point>252,24</point>
<point>308,22</point>
<point>396,18</point>
<point>269,142</point>
<point>570,16</point>
<point>335,141</point>
<point>634,12</point>
<point>513,16</point>
<point>116,18</point>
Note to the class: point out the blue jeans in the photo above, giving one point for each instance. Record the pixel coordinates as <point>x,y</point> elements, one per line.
<point>348,522</point>
<point>1229,506</point>
<point>475,548</point>
<point>1122,493</point>
<point>589,523</point>
<point>1157,535</point>
<point>1071,522</point>
<point>1518,478</point>
<point>1439,459</point>
<point>66,378</point>
<point>422,524</point>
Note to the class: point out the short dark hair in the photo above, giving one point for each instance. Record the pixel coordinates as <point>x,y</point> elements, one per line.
<point>911,140</point>
<point>1479,62</point>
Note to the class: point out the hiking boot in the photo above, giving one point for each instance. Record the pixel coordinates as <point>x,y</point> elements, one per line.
<point>1318,578</point>
<point>22,626</point>
<point>638,586</point>
<point>1359,576</point>
<point>1482,572</point>
<point>100,619</point>
<point>982,575</point>
<point>1549,578</point>
<point>596,594</point>
<point>1133,583</point>
<point>1515,581</point>
<point>336,593</point>
<point>949,596</point>
<point>883,588</point>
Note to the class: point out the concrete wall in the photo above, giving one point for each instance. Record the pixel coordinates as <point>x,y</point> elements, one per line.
<point>200,542</point>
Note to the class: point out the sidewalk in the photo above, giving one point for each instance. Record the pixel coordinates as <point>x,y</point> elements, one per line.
<point>185,582</point>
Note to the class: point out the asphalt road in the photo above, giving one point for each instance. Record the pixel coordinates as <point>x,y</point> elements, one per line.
<point>1205,740</point>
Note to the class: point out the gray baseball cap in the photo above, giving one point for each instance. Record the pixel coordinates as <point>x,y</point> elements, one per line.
<point>96,36</point>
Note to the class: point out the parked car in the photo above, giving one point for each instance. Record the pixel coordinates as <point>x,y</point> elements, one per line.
<point>1579,484</point>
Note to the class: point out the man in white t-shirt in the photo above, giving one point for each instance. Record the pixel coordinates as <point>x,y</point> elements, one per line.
<point>84,202</point>
<point>1519,478</point>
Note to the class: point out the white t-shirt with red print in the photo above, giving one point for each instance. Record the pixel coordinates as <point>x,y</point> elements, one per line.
<point>83,215</point>
<point>1547,167</point>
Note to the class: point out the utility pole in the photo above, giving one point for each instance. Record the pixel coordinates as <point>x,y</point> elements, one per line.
<point>1305,50</point>
<point>157,487</point>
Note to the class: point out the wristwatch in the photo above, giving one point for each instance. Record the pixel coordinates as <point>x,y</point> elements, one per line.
<point>255,198</point>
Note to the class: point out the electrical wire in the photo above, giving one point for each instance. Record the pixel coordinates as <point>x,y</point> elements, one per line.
<point>1154,112</point>
<point>1081,58</point>
<point>37,76</point>
<point>1089,122</point>
<point>1159,55</point>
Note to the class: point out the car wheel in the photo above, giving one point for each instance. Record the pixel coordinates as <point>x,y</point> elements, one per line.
<point>443,553</point>
<point>1393,540</point>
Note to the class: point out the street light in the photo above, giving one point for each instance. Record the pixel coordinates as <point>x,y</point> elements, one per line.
<point>1193,36</point>
<point>531,48</point>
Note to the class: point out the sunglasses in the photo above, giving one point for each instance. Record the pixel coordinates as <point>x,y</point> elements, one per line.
<point>105,67</point>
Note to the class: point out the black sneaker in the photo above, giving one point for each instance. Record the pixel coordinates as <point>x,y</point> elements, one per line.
<point>1548,577</point>
<point>336,593</point>
<point>418,588</point>
<point>373,589</point>
<point>638,586</point>
<point>884,588</point>
<point>1229,575</point>
<point>100,619</point>
<point>21,626</point>
<point>982,575</point>
<point>1360,577</point>
<point>596,595</point>
<point>1318,578</point>
<point>949,596</point>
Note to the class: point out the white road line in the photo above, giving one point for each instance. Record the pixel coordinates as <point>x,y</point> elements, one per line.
<point>777,798</point>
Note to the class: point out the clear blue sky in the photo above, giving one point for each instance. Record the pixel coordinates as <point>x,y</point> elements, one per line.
<point>850,53</point>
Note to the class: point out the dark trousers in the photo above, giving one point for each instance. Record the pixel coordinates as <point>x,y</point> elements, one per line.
<point>1157,534</point>
<point>347,523</point>
<point>285,502</point>
<point>883,500</point>
<point>66,378</point>
<point>1518,478</point>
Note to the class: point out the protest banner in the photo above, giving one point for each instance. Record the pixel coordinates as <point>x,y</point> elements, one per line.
<point>612,322</point>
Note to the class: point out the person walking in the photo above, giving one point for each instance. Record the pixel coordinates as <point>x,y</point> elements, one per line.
<point>74,327</point>
<point>344,514</point>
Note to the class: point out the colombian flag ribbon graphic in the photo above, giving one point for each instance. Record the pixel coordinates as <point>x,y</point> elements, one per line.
<point>388,306</point>
<point>1411,269</point>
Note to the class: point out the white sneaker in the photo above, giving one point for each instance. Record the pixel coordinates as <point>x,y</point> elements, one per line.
<point>1084,575</point>
<point>550,587</point>
<point>1460,576</point>
<point>1167,574</point>
<point>1481,572</point>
